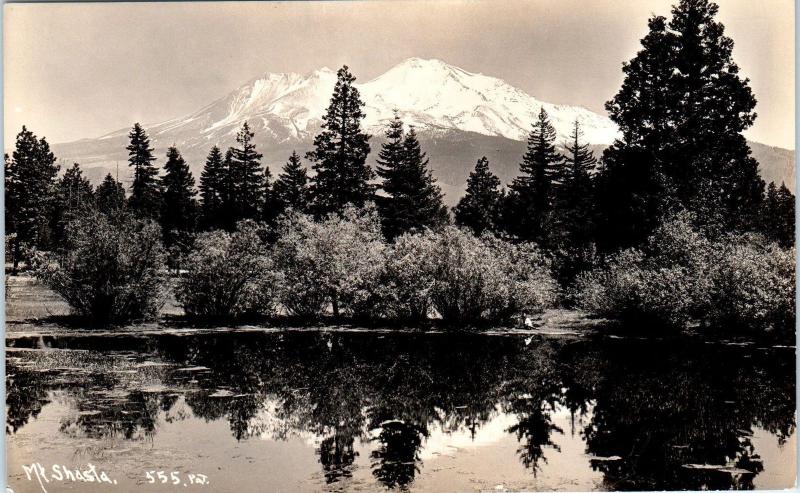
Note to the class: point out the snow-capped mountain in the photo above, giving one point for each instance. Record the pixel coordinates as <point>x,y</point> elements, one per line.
<point>429,94</point>
<point>459,115</point>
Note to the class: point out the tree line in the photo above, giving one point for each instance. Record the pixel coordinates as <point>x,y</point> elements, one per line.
<point>681,112</point>
<point>234,186</point>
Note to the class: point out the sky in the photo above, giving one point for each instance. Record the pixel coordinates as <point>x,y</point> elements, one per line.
<point>76,71</point>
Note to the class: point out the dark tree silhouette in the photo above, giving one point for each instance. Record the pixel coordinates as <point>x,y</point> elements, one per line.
<point>247,189</point>
<point>270,206</point>
<point>529,204</point>
<point>73,194</point>
<point>110,195</point>
<point>145,198</point>
<point>574,200</point>
<point>179,206</point>
<point>30,185</point>
<point>777,215</point>
<point>291,188</point>
<point>681,111</point>
<point>412,199</point>
<point>340,152</point>
<point>212,190</point>
<point>479,208</point>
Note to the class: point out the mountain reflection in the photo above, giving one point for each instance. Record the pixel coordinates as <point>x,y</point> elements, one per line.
<point>661,415</point>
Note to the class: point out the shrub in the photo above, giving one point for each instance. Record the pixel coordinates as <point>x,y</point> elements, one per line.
<point>228,275</point>
<point>334,262</point>
<point>754,286</point>
<point>112,269</point>
<point>680,276</point>
<point>403,292</point>
<point>472,280</point>
<point>665,284</point>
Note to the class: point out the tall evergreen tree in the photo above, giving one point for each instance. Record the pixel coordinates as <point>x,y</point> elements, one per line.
<point>230,214</point>
<point>74,189</point>
<point>413,201</point>
<point>74,193</point>
<point>110,195</point>
<point>247,192</point>
<point>30,177</point>
<point>529,205</point>
<point>479,208</point>
<point>777,215</point>
<point>340,152</point>
<point>145,198</point>
<point>270,206</point>
<point>291,188</point>
<point>212,193</point>
<point>574,203</point>
<point>681,111</point>
<point>179,206</point>
<point>390,157</point>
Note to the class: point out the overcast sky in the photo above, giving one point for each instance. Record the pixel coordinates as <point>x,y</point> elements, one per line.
<point>81,70</point>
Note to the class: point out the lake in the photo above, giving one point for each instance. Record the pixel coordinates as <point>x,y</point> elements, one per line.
<point>335,410</point>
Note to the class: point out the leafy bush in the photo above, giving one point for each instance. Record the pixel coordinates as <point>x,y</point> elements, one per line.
<point>468,279</point>
<point>403,292</point>
<point>112,269</point>
<point>680,276</point>
<point>666,284</point>
<point>334,262</point>
<point>754,285</point>
<point>228,275</point>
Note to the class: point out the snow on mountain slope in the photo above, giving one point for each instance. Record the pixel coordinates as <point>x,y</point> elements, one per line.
<point>433,94</point>
<point>428,94</point>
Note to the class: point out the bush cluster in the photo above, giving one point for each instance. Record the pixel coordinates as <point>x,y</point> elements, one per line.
<point>114,271</point>
<point>681,276</point>
<point>228,275</point>
<point>341,265</point>
<point>333,263</point>
<point>111,269</point>
<point>462,278</point>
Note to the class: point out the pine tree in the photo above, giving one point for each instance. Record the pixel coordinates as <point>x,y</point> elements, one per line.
<point>110,195</point>
<point>479,208</point>
<point>681,111</point>
<point>390,157</point>
<point>786,209</point>
<point>247,192</point>
<point>229,215</point>
<point>291,188</point>
<point>270,206</point>
<point>529,205</point>
<point>74,193</point>
<point>212,192</point>
<point>75,190</point>
<point>145,199</point>
<point>30,189</point>
<point>179,206</point>
<point>430,211</point>
<point>340,154</point>
<point>574,200</point>
<point>413,201</point>
<point>777,215</point>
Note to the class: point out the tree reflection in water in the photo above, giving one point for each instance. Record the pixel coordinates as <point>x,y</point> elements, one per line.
<point>645,410</point>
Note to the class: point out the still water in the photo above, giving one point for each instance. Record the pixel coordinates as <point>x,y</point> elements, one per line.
<point>358,411</point>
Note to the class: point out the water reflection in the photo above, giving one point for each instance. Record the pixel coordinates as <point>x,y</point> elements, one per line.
<point>652,415</point>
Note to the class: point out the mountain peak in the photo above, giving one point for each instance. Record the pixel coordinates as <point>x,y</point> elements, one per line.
<point>416,62</point>
<point>426,67</point>
<point>324,71</point>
